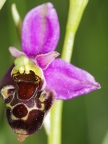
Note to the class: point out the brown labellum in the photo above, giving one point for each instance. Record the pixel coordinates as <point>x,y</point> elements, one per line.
<point>26,104</point>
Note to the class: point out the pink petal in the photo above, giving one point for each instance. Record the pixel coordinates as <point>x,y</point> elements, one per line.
<point>43,60</point>
<point>69,81</point>
<point>15,53</point>
<point>40,31</point>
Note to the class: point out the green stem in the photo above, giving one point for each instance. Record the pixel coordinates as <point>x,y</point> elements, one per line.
<point>76,9</point>
<point>56,118</point>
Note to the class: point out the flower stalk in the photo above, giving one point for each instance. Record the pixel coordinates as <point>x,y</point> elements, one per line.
<point>76,9</point>
<point>55,127</point>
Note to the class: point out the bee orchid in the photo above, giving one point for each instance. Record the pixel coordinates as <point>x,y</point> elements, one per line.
<point>38,78</point>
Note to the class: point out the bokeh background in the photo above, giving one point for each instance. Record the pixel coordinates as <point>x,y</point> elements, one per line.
<point>85,118</point>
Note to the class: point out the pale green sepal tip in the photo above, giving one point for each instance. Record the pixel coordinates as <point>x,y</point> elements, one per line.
<point>24,64</point>
<point>17,19</point>
<point>2,3</point>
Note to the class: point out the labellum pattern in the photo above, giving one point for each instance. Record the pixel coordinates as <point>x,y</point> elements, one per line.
<point>26,102</point>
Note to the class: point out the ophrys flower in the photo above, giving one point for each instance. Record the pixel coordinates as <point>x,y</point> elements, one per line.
<point>38,78</point>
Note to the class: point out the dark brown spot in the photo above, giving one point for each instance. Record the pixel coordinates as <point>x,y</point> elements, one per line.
<point>20,111</point>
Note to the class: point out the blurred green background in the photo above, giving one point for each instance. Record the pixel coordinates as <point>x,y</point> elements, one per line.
<point>85,119</point>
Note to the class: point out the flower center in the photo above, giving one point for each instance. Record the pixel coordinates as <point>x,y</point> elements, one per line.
<point>24,65</point>
<point>27,76</point>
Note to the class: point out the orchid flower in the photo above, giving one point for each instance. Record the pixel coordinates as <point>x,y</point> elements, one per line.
<point>38,78</point>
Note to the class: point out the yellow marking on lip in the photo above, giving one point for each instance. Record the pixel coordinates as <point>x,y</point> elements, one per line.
<point>42,107</point>
<point>23,118</point>
<point>4,93</point>
<point>42,98</point>
<point>9,106</point>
